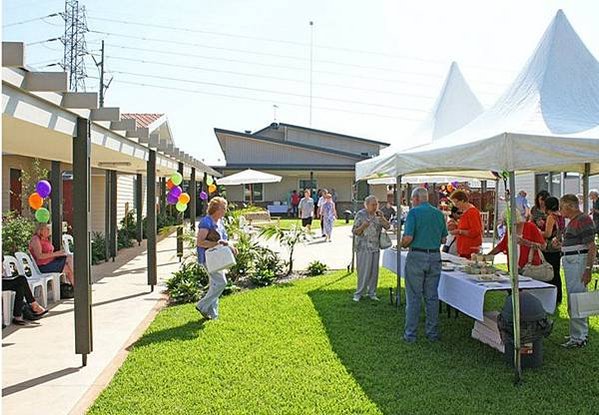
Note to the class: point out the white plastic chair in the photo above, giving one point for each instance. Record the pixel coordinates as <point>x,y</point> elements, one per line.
<point>51,280</point>
<point>67,241</point>
<point>37,285</point>
<point>8,303</point>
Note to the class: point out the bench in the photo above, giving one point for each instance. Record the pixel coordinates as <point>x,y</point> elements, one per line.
<point>255,218</point>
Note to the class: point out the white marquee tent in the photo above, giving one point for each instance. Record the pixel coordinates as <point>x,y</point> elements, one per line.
<point>547,120</point>
<point>456,106</point>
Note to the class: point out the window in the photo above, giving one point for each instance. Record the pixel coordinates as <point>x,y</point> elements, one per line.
<point>15,190</point>
<point>306,184</point>
<point>258,192</point>
<point>542,182</point>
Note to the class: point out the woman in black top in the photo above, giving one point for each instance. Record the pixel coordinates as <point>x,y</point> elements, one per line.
<point>554,229</point>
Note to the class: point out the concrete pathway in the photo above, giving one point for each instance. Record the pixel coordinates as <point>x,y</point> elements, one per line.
<point>337,253</point>
<point>41,372</point>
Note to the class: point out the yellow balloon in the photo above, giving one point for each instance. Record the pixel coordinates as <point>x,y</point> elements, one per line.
<point>212,188</point>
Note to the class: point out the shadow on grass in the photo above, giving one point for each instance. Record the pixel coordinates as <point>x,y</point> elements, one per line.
<point>188,331</point>
<point>456,375</point>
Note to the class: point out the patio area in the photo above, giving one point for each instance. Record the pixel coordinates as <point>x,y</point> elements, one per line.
<point>38,360</point>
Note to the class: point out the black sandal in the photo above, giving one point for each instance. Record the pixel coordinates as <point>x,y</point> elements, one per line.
<point>41,314</point>
<point>19,322</point>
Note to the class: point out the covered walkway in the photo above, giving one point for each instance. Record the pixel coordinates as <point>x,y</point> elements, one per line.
<point>39,365</point>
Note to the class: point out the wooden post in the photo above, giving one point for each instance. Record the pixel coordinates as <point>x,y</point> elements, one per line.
<point>139,208</point>
<point>151,219</point>
<point>56,200</point>
<point>82,238</point>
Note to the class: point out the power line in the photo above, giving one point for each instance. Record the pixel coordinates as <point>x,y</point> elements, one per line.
<point>171,88</point>
<point>347,101</point>
<point>188,55</point>
<point>290,42</point>
<point>30,20</point>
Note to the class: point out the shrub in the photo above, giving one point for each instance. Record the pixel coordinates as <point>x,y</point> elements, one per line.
<point>289,239</point>
<point>245,266</point>
<point>123,239</point>
<point>316,268</point>
<point>187,284</point>
<point>16,233</point>
<point>164,219</point>
<point>98,247</point>
<point>267,267</point>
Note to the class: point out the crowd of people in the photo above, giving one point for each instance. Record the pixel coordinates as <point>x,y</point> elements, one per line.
<point>553,230</point>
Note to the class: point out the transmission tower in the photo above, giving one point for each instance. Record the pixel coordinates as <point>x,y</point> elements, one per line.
<point>75,48</point>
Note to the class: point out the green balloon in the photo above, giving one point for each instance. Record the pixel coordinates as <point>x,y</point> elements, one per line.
<point>181,207</point>
<point>176,178</point>
<point>209,180</point>
<point>42,215</point>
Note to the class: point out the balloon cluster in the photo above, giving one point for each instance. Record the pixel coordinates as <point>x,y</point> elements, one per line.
<point>36,200</point>
<point>176,196</point>
<point>211,185</point>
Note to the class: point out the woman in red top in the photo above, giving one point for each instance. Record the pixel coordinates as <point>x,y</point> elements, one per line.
<point>529,236</point>
<point>44,255</point>
<point>469,233</point>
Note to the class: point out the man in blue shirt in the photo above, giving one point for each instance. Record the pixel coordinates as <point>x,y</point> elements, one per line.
<point>424,233</point>
<point>522,205</point>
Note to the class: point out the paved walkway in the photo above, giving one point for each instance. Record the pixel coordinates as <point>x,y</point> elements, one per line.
<point>336,254</point>
<point>41,372</point>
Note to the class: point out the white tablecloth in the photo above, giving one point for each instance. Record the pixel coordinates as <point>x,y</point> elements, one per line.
<point>278,208</point>
<point>468,295</point>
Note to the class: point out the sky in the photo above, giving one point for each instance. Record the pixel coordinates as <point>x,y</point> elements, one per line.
<point>376,69</point>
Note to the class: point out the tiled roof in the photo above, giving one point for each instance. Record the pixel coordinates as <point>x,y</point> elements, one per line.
<point>142,120</point>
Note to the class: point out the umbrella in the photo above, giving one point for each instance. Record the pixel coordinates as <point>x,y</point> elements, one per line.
<point>250,177</point>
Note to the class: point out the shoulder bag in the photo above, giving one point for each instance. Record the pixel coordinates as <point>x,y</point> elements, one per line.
<point>542,272</point>
<point>384,240</point>
<point>219,258</point>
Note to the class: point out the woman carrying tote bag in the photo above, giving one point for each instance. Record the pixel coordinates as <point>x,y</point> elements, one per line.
<point>211,233</point>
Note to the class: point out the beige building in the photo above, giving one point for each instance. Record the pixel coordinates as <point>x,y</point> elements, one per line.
<point>305,158</point>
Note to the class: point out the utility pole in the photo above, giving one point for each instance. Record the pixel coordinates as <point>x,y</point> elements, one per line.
<point>102,77</point>
<point>102,87</point>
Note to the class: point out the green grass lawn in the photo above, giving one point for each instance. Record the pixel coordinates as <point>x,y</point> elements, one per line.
<point>307,348</point>
<point>286,223</point>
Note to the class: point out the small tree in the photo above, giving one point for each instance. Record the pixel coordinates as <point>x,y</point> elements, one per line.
<point>289,239</point>
<point>16,233</point>
<point>29,179</point>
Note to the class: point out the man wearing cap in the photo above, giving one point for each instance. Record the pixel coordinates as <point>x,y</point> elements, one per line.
<point>424,233</point>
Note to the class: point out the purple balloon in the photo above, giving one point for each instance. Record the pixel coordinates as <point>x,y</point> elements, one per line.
<point>43,188</point>
<point>203,195</point>
<point>171,199</point>
<point>176,191</point>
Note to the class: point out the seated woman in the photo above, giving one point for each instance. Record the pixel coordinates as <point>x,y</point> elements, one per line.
<point>528,236</point>
<point>45,257</point>
<point>21,288</point>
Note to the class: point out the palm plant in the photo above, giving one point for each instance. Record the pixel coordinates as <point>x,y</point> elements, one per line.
<point>289,239</point>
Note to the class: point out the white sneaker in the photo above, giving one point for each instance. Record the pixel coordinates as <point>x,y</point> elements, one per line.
<point>356,298</point>
<point>374,298</point>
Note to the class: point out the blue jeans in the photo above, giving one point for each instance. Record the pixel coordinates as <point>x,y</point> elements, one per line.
<point>423,271</point>
<point>574,266</point>
<point>209,304</point>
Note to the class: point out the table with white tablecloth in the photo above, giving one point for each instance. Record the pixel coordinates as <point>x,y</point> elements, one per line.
<point>466,294</point>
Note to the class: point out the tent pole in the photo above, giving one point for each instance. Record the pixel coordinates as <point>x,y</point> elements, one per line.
<point>585,187</point>
<point>398,229</point>
<point>513,256</point>
<point>495,212</point>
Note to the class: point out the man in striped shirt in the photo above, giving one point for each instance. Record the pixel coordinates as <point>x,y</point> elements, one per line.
<point>578,250</point>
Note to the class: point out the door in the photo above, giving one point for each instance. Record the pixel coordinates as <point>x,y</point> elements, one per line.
<point>15,191</point>
<point>67,200</point>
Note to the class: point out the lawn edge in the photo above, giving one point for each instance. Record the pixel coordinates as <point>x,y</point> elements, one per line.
<point>106,376</point>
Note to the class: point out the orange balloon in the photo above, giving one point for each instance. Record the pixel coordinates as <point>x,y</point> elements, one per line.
<point>184,198</point>
<point>35,201</point>
<point>212,188</point>
<point>170,184</point>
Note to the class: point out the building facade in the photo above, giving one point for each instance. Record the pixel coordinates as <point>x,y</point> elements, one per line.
<point>305,158</point>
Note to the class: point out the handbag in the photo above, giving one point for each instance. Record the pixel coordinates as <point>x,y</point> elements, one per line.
<point>542,272</point>
<point>583,305</point>
<point>219,258</point>
<point>384,240</point>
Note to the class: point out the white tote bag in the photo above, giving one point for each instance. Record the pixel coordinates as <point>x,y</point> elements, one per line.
<point>219,258</point>
<point>583,305</point>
